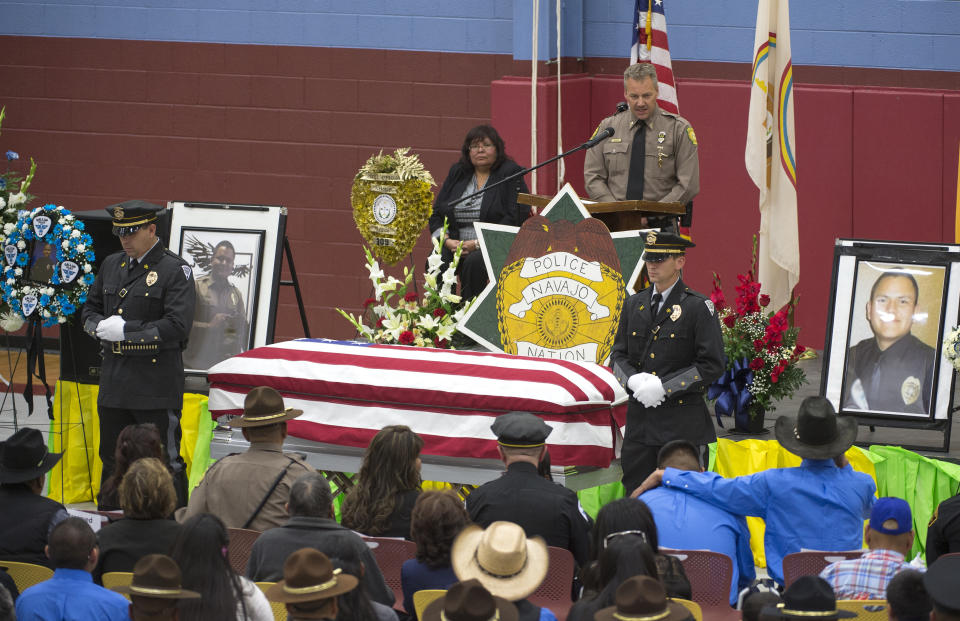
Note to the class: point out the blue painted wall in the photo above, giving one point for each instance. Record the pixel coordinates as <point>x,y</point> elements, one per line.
<point>906,34</point>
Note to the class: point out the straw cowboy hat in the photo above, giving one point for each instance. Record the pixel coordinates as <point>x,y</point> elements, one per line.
<point>501,558</point>
<point>264,406</point>
<point>816,432</point>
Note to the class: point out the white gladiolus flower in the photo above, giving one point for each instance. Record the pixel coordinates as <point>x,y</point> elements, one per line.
<point>450,297</point>
<point>430,280</point>
<point>449,276</point>
<point>17,199</point>
<point>375,272</point>
<point>433,262</point>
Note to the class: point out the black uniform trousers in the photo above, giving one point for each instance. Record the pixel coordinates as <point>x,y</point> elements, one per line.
<point>112,422</point>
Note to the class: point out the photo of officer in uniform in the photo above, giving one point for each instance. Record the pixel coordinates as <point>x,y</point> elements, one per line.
<point>892,370</point>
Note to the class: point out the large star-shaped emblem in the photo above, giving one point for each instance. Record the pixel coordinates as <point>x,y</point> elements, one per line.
<point>481,321</point>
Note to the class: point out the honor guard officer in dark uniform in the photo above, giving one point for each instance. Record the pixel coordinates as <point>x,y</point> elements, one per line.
<point>522,496</point>
<point>667,351</point>
<point>140,307</point>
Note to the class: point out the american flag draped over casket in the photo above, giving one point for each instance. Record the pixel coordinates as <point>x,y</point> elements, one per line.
<point>349,391</point>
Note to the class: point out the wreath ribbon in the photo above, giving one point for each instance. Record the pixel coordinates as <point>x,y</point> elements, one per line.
<point>732,393</point>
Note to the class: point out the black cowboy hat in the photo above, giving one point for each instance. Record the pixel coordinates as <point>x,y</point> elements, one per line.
<point>809,597</point>
<point>25,457</point>
<point>469,601</point>
<point>816,432</point>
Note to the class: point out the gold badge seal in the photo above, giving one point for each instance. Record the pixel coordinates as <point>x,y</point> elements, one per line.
<point>118,213</point>
<point>651,237</point>
<point>151,278</point>
<point>910,390</point>
<point>676,312</point>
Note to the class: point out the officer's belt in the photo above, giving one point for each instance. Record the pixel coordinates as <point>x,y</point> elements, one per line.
<point>119,348</point>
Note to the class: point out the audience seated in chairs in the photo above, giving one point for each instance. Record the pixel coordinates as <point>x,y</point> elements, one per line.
<point>523,496</point>
<point>810,597</point>
<point>437,519</point>
<point>685,522</point>
<point>28,517</point>
<point>794,502</point>
<point>312,524</point>
<point>133,443</point>
<point>380,503</point>
<point>200,550</point>
<point>311,587</point>
<point>156,589</point>
<point>356,605</point>
<point>148,498</point>
<point>505,562</point>
<point>889,536</point>
<point>643,597</point>
<point>623,557</point>
<point>627,516</point>
<point>250,490</point>
<point>907,597</point>
<point>70,593</point>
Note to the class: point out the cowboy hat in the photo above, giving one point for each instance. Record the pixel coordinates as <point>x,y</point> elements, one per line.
<point>469,601</point>
<point>502,558</point>
<point>263,406</point>
<point>816,432</point>
<point>808,597</point>
<point>24,457</point>
<point>642,597</point>
<point>309,576</point>
<point>156,576</point>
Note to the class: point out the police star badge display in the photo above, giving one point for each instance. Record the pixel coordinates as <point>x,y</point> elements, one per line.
<point>556,285</point>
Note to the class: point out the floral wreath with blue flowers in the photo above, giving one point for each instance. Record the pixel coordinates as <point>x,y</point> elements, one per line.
<point>65,289</point>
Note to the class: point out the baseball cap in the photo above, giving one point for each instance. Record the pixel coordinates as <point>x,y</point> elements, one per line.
<point>891,508</point>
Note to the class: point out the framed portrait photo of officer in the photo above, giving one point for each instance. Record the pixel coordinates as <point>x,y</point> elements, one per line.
<point>234,253</point>
<point>890,306</point>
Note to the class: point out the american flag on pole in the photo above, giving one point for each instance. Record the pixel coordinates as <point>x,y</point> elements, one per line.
<point>349,391</point>
<point>771,152</point>
<point>650,45</point>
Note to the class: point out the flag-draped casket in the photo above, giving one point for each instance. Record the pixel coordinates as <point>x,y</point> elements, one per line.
<point>349,391</point>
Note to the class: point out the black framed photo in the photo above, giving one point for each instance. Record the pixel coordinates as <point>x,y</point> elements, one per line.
<point>890,307</point>
<point>234,251</point>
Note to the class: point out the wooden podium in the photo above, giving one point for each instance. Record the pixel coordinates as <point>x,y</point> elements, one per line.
<point>617,215</point>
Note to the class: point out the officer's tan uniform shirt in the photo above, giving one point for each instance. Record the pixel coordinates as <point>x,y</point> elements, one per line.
<point>671,172</point>
<point>234,486</point>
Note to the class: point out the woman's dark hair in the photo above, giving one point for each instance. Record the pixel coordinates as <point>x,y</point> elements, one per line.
<point>200,550</point>
<point>353,605</point>
<point>481,133</point>
<point>133,443</point>
<point>437,518</point>
<point>389,468</point>
<point>624,514</point>
<point>624,557</point>
<point>146,492</point>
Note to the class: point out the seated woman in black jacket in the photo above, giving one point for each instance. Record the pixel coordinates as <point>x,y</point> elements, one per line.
<point>483,162</point>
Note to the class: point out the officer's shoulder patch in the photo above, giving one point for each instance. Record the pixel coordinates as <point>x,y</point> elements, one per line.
<point>710,306</point>
<point>186,271</point>
<point>692,136</point>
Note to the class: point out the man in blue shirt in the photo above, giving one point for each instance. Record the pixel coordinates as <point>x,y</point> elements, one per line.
<point>689,523</point>
<point>820,505</point>
<point>71,594</point>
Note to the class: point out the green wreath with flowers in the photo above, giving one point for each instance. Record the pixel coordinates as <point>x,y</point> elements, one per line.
<point>70,262</point>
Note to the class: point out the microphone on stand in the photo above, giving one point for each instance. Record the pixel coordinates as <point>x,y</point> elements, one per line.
<point>599,138</point>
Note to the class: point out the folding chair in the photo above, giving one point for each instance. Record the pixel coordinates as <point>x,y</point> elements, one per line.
<point>279,608</point>
<point>238,550</point>
<point>26,574</point>
<point>390,554</point>
<point>554,592</point>
<point>812,562</point>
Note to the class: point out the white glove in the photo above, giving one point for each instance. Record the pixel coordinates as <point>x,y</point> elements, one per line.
<point>647,389</point>
<point>111,328</point>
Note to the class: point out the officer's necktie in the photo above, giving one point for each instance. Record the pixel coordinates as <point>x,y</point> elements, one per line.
<point>133,265</point>
<point>638,156</point>
<point>654,304</point>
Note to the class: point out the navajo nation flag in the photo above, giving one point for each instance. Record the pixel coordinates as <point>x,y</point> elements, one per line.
<point>650,45</point>
<point>348,391</point>
<point>771,152</point>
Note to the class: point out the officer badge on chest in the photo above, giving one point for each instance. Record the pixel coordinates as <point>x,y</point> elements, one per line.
<point>676,312</point>
<point>910,390</point>
<point>151,278</point>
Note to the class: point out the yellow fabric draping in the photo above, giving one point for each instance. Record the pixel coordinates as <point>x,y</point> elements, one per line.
<point>75,431</point>
<point>750,456</point>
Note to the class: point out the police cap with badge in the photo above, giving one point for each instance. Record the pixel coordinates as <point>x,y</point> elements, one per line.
<point>659,246</point>
<point>520,430</point>
<point>129,216</point>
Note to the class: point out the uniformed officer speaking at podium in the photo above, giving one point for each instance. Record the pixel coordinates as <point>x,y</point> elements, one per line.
<point>140,308</point>
<point>652,154</point>
<point>667,351</point>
